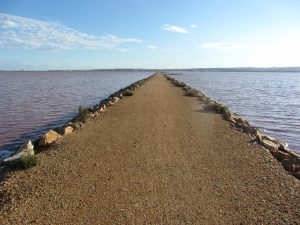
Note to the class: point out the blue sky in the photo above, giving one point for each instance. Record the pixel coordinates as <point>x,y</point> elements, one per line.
<point>70,34</point>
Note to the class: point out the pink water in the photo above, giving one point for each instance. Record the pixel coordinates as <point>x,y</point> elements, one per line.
<point>34,102</point>
<point>269,101</point>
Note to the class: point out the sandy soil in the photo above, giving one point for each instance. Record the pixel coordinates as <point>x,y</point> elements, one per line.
<point>154,158</point>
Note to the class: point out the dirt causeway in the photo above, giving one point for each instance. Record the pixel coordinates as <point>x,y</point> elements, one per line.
<point>153,158</point>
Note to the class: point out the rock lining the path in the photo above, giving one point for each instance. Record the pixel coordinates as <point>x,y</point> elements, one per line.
<point>52,136</point>
<point>288,158</point>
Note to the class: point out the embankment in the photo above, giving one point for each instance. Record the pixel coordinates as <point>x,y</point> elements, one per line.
<point>289,159</point>
<point>157,157</point>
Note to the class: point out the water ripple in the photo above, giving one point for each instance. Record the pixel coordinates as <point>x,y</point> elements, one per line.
<point>33,102</point>
<point>270,101</point>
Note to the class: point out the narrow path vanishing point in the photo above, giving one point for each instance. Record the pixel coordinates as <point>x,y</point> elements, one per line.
<point>154,158</point>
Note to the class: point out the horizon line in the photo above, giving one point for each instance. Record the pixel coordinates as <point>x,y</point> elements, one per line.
<point>292,68</point>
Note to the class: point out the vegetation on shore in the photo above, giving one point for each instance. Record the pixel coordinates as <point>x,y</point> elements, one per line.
<point>25,162</point>
<point>83,113</point>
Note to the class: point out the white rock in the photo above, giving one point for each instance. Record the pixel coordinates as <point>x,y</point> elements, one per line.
<point>17,156</point>
<point>27,145</point>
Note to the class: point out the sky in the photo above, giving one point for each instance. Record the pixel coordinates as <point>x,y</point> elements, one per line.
<point>149,34</point>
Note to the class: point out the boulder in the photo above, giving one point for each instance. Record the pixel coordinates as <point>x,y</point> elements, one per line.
<point>49,138</point>
<point>231,116</point>
<point>279,155</point>
<point>270,145</point>
<point>66,130</point>
<point>297,174</point>
<point>257,134</point>
<point>241,120</point>
<point>268,138</point>
<point>290,152</point>
<point>291,164</point>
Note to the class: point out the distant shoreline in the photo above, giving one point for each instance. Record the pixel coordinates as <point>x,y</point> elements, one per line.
<point>229,69</point>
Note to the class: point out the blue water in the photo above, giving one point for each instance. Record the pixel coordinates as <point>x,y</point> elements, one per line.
<point>34,102</point>
<point>269,101</point>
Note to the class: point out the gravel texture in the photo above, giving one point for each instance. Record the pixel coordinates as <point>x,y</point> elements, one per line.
<point>153,158</point>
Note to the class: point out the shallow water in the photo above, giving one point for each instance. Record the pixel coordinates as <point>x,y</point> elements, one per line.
<point>34,102</point>
<point>269,101</point>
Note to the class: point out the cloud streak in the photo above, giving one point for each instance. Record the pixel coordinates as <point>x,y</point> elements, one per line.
<point>16,31</point>
<point>152,47</point>
<point>174,28</point>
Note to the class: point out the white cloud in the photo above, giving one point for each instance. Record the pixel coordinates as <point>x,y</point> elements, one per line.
<point>174,28</point>
<point>223,45</point>
<point>47,35</point>
<point>193,25</point>
<point>152,47</point>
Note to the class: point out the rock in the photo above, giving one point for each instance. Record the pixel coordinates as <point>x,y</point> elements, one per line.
<point>241,120</point>
<point>279,155</point>
<point>231,116</point>
<point>297,174</point>
<point>282,145</point>
<point>49,138</point>
<point>115,99</point>
<point>128,93</point>
<point>27,145</point>
<point>292,153</point>
<point>77,125</point>
<point>110,103</point>
<point>291,164</point>
<point>67,130</point>
<point>17,156</point>
<point>268,138</point>
<point>2,169</point>
<point>269,144</point>
<point>248,130</point>
<point>256,133</point>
